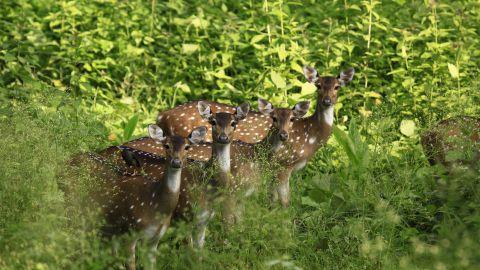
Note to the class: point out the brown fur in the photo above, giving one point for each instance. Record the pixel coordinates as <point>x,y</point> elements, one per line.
<point>452,134</point>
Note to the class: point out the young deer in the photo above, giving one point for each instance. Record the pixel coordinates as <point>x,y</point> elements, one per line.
<point>145,202</point>
<point>223,129</point>
<point>453,141</point>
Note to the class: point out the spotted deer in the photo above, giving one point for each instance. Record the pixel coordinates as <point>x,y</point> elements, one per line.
<point>250,158</point>
<point>454,141</point>
<point>306,136</point>
<point>183,118</point>
<point>145,202</point>
<point>311,133</point>
<point>223,127</point>
<point>235,157</point>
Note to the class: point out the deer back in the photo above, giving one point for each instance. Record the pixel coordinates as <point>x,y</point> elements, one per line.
<point>183,118</point>
<point>453,140</point>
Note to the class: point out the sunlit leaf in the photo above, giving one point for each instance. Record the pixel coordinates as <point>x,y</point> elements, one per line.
<point>308,88</point>
<point>190,48</point>
<point>278,80</point>
<point>130,127</point>
<point>453,70</point>
<point>407,128</point>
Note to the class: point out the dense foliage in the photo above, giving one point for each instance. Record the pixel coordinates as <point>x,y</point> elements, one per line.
<point>81,75</point>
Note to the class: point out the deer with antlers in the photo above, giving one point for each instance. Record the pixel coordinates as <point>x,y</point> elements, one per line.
<point>145,202</point>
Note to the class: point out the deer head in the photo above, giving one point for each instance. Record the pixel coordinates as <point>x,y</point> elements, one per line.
<point>328,86</point>
<point>223,124</point>
<point>283,118</point>
<point>176,146</point>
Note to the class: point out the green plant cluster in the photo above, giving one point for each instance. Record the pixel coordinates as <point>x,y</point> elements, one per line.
<point>81,75</point>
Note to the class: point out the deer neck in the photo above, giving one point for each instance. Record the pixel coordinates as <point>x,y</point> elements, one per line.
<point>221,153</point>
<point>321,124</point>
<point>171,180</point>
<point>323,114</point>
<point>271,143</point>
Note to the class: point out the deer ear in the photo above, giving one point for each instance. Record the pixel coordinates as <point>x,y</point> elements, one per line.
<point>204,110</point>
<point>301,108</point>
<point>242,111</point>
<point>198,135</point>
<point>310,74</point>
<point>264,106</point>
<point>156,133</point>
<point>346,76</point>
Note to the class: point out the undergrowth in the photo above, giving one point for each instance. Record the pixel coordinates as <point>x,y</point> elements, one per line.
<point>363,208</point>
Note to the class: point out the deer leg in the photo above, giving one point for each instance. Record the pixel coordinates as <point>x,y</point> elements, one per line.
<point>131,260</point>
<point>152,256</point>
<point>283,188</point>
<point>200,228</point>
<point>204,214</point>
<point>229,204</point>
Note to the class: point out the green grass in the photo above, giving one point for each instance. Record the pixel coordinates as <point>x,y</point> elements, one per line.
<point>80,75</point>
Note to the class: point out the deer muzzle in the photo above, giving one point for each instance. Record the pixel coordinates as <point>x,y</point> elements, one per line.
<point>223,138</point>
<point>176,163</point>
<point>327,101</point>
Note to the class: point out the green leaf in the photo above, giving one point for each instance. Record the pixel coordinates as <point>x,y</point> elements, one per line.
<point>256,38</point>
<point>134,51</point>
<point>308,89</point>
<point>282,53</point>
<point>408,82</point>
<point>278,80</point>
<point>407,128</point>
<point>346,143</point>
<point>453,70</point>
<point>190,48</point>
<point>130,127</point>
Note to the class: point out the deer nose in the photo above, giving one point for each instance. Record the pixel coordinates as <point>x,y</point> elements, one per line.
<point>283,136</point>
<point>327,101</point>
<point>223,138</point>
<point>176,163</point>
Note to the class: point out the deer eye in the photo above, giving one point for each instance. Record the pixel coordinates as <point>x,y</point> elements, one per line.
<point>292,119</point>
<point>336,87</point>
<point>213,122</point>
<point>166,146</point>
<point>187,147</point>
<point>274,119</point>
<point>234,124</point>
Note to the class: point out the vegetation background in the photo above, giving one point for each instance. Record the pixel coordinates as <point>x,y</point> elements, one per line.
<point>82,75</point>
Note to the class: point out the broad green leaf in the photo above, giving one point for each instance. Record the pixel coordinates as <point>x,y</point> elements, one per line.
<point>308,89</point>
<point>278,80</point>
<point>134,51</point>
<point>130,127</point>
<point>282,53</point>
<point>190,48</point>
<point>184,87</point>
<point>295,66</point>
<point>408,82</point>
<point>256,38</point>
<point>453,70</point>
<point>407,128</point>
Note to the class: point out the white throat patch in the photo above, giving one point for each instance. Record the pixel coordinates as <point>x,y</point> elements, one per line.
<point>173,178</point>
<point>328,116</point>
<point>223,156</point>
